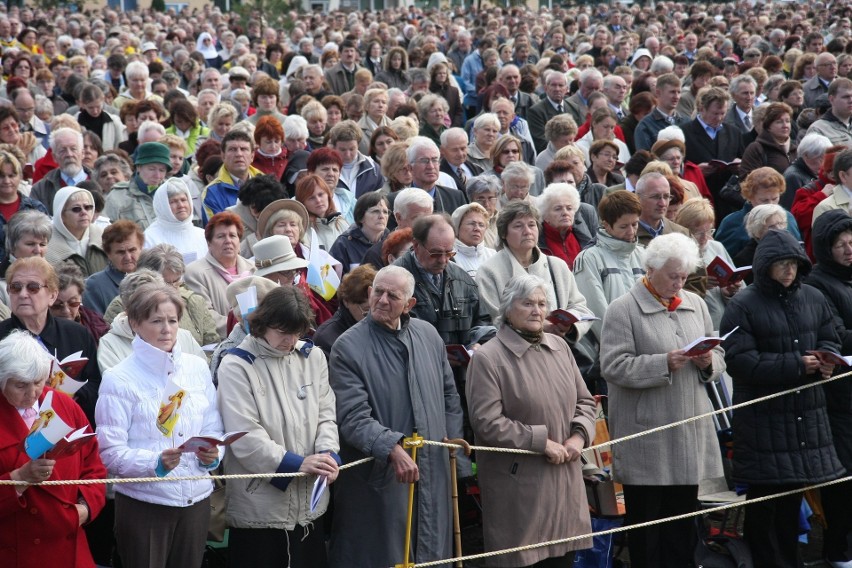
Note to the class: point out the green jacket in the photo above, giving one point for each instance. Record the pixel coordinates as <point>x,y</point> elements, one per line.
<point>127,201</point>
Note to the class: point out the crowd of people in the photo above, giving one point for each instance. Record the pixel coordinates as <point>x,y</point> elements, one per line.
<point>329,231</point>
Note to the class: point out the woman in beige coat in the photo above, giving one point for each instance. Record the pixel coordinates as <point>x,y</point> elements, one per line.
<point>653,382</point>
<point>524,391</point>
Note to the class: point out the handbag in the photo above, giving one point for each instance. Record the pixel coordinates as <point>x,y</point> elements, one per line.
<point>217,525</point>
<point>720,551</point>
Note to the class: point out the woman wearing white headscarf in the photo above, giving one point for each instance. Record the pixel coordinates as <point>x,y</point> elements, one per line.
<point>74,236</point>
<point>207,46</point>
<point>173,225</point>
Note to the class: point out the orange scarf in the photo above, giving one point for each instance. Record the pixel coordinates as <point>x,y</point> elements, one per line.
<point>671,305</point>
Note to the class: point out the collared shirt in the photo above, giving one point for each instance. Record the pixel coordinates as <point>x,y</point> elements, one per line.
<point>652,231</point>
<point>556,105</point>
<point>79,178</point>
<point>669,118</point>
<point>628,185</point>
<point>742,114</point>
<point>711,132</point>
<point>617,110</point>
<point>427,276</point>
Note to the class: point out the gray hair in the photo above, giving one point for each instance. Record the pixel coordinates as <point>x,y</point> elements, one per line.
<point>150,126</point>
<point>672,247</point>
<point>739,80</point>
<point>518,288</point>
<point>393,270</point>
<point>22,358</point>
<point>518,170</point>
<point>425,104</point>
<point>755,223</point>
<point>162,257</point>
<point>590,73</point>
<point>134,280</point>
<point>813,145</point>
<point>418,75</point>
<point>136,69</point>
<point>556,191</point>
<point>644,179</point>
<point>209,71</point>
<point>175,187</point>
<point>661,64</point>
<point>69,274</point>
<point>59,132</point>
<point>481,184</point>
<point>27,222</point>
<point>208,91</point>
<point>409,196</point>
<point>417,144</point>
<point>451,133</point>
<point>111,160</point>
<point>295,127</point>
<point>486,119</point>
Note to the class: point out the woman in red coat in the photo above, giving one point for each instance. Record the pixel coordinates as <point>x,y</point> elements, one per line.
<point>42,526</point>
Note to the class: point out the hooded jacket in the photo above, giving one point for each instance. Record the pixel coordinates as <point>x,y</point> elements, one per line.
<point>835,282</point>
<point>126,200</point>
<point>788,439</point>
<point>166,228</point>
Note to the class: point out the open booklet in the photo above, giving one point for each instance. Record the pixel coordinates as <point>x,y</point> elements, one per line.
<point>320,485</point>
<point>52,437</point>
<point>64,374</point>
<point>725,273</point>
<point>568,317</point>
<point>201,442</point>
<point>458,352</point>
<point>704,344</point>
<point>831,357</point>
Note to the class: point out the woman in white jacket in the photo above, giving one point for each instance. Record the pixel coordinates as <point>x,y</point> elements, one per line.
<point>276,387</point>
<point>150,404</point>
<point>173,225</point>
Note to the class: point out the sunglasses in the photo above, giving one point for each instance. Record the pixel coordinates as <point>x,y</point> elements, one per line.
<point>441,254</point>
<point>72,305</point>
<point>79,208</point>
<point>32,287</point>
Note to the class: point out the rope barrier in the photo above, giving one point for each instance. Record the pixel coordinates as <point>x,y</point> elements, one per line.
<point>629,527</point>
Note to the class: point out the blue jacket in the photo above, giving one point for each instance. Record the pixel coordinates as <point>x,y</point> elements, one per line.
<point>732,233</point>
<point>369,178</point>
<point>102,288</point>
<point>221,193</point>
<point>648,128</point>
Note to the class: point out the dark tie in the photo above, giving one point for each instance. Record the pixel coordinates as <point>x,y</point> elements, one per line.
<point>436,280</point>
<point>747,122</point>
<point>559,108</point>
<point>620,114</point>
<point>462,178</point>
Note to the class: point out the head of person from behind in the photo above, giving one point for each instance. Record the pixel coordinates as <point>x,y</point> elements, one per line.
<point>281,318</point>
<point>24,368</point>
<point>391,296</point>
<point>154,313</point>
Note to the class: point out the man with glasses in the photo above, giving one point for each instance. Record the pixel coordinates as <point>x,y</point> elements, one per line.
<point>654,197</point>
<point>24,102</point>
<point>425,160</point>
<point>826,71</point>
<point>67,147</point>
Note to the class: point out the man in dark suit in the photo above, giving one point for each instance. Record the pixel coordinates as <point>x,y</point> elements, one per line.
<point>743,89</point>
<point>510,77</point>
<point>555,87</point>
<point>425,160</point>
<point>708,138</point>
<point>590,80</point>
<point>341,77</point>
<point>454,160</point>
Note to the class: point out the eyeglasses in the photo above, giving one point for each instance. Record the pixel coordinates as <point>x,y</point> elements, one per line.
<point>511,151</point>
<point>32,287</point>
<point>441,253</point>
<point>427,161</point>
<point>77,209</point>
<point>607,155</point>
<point>707,233</point>
<point>71,305</point>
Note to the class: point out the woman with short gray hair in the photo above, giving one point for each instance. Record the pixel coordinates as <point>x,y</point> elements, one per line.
<point>486,129</point>
<point>111,169</point>
<point>549,411</point>
<point>432,110</point>
<point>652,381</point>
<point>805,168</point>
<point>27,234</point>
<point>485,189</point>
<point>471,224</point>
<point>24,367</point>
<point>569,226</point>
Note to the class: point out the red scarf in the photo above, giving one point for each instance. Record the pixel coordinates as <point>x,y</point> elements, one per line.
<point>671,305</point>
<point>566,248</point>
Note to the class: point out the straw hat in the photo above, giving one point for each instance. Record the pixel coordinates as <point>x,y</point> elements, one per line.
<point>275,254</point>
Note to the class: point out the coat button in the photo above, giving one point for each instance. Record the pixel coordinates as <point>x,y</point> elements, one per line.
<point>802,444</point>
<point>799,418</point>
<point>36,541</point>
<point>798,392</point>
<point>34,511</point>
<point>189,501</point>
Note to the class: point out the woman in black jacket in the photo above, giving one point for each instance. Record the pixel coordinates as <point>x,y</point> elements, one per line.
<point>832,242</point>
<point>784,443</point>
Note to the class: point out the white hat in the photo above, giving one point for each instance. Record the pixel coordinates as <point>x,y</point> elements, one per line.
<point>275,254</point>
<point>149,46</point>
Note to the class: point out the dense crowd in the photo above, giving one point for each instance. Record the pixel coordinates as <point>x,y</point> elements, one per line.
<point>332,230</point>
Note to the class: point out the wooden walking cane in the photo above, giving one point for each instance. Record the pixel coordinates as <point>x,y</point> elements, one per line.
<point>412,443</point>
<point>454,488</point>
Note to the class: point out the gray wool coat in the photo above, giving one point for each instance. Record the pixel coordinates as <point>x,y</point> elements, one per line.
<point>638,332</point>
<point>387,383</point>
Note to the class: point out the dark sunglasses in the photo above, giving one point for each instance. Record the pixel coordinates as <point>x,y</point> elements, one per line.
<point>79,208</point>
<point>32,287</point>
